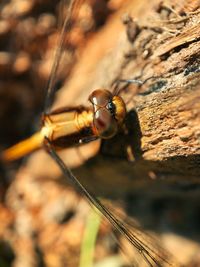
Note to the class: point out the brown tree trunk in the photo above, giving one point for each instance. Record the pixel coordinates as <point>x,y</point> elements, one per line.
<point>162,136</point>
<point>160,45</point>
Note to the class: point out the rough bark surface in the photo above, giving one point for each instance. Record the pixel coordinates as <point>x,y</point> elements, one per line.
<point>159,44</point>
<point>163,121</point>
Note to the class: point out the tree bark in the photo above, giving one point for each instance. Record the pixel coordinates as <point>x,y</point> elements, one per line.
<point>159,45</point>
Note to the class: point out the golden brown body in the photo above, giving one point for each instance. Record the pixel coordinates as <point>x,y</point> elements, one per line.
<point>67,127</point>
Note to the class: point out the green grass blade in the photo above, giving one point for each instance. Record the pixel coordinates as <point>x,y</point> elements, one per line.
<point>89,239</point>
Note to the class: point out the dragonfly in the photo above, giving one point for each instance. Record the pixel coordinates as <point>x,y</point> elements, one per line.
<point>67,127</point>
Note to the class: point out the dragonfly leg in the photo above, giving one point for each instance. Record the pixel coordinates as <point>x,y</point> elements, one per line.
<point>115,87</point>
<point>88,139</point>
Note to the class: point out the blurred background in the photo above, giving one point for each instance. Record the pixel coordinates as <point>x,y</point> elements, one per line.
<point>41,222</point>
<point>42,219</point>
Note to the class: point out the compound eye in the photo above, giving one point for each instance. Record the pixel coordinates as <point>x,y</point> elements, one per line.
<point>100,97</point>
<point>105,124</point>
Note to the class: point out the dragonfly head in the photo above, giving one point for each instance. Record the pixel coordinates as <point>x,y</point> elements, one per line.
<point>109,113</point>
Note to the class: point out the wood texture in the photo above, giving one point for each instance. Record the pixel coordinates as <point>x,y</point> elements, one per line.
<point>162,134</point>
<point>163,121</point>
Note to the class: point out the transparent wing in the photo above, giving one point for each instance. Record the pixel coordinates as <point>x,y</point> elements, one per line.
<point>72,13</point>
<point>135,237</point>
<point>153,253</point>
